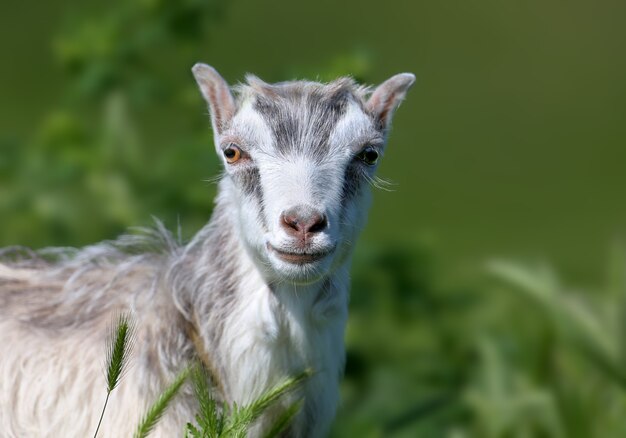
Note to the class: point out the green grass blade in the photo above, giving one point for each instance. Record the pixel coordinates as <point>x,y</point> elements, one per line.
<point>104,408</point>
<point>156,411</point>
<point>258,406</point>
<point>242,417</point>
<point>192,431</point>
<point>209,418</point>
<point>284,420</point>
<point>119,348</point>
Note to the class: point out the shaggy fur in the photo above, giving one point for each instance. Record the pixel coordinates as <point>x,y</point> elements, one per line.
<point>225,297</point>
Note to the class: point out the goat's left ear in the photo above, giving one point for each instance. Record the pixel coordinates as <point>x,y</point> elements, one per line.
<point>387,96</point>
<point>217,94</point>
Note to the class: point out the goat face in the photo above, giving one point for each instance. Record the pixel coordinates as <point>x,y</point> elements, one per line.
<point>298,158</point>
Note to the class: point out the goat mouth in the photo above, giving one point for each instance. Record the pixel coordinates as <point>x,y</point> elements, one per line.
<point>299,258</point>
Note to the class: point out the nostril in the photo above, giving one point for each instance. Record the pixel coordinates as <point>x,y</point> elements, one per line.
<point>319,223</point>
<point>290,221</point>
<point>303,220</point>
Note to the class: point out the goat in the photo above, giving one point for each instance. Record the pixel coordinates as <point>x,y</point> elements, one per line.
<point>260,293</point>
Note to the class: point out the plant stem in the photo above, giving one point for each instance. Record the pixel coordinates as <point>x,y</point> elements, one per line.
<point>102,414</point>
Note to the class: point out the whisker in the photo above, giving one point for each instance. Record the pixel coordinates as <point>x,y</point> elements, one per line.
<point>214,179</point>
<point>380,183</point>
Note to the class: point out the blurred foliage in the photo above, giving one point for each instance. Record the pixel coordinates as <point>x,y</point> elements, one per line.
<point>115,50</point>
<point>87,172</point>
<point>518,355</point>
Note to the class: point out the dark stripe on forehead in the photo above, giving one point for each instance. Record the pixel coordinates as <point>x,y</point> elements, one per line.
<point>302,117</point>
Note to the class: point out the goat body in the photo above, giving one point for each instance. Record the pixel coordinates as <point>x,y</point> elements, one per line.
<point>259,294</point>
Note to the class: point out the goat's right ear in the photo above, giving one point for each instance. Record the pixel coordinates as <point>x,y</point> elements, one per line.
<point>217,94</point>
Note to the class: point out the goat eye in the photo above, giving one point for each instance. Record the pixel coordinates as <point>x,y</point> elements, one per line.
<point>368,155</point>
<point>232,153</point>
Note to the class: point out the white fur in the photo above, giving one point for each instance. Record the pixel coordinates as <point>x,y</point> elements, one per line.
<point>257,318</point>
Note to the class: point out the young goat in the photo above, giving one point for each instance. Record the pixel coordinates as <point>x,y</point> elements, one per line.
<point>260,293</point>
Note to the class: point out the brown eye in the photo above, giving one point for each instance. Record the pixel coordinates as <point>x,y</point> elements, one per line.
<point>232,153</point>
<point>368,155</point>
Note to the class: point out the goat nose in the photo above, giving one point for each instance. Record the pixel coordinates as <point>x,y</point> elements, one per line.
<point>303,220</point>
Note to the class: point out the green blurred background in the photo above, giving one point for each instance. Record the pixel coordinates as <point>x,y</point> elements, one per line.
<point>509,147</point>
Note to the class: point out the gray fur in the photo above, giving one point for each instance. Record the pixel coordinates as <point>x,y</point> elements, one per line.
<point>218,298</point>
<point>298,110</point>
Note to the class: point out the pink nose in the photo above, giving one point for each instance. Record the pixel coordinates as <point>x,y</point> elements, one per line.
<point>302,221</point>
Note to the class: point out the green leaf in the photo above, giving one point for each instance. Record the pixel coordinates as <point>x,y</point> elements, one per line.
<point>284,420</point>
<point>243,417</point>
<point>156,411</point>
<point>210,418</point>
<point>119,348</point>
